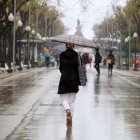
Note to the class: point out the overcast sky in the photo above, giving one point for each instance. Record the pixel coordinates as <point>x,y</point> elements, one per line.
<point>89,12</point>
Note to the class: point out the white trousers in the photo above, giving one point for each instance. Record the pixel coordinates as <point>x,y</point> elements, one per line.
<point>68,101</point>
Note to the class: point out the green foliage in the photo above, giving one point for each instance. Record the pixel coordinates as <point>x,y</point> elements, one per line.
<point>22,12</point>
<point>127,17</point>
<point>132,11</point>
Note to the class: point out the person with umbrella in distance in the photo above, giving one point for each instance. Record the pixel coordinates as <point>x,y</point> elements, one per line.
<point>98,59</point>
<point>110,61</point>
<point>69,80</point>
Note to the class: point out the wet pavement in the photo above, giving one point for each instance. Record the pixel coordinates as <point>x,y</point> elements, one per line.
<point>107,108</point>
<point>19,93</point>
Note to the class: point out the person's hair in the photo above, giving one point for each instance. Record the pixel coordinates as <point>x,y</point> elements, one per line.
<point>69,45</point>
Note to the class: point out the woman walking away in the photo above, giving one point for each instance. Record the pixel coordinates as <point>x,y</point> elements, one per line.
<point>69,80</point>
<point>110,62</point>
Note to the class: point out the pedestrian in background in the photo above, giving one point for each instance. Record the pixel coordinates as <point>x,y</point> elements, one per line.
<point>85,59</point>
<point>90,59</point>
<point>69,80</point>
<point>47,60</point>
<point>110,61</point>
<point>98,59</point>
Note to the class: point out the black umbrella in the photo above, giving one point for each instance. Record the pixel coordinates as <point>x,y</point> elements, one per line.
<point>75,39</point>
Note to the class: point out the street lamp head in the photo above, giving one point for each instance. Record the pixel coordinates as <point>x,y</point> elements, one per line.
<point>38,36</point>
<point>20,24</point>
<point>118,40</point>
<point>44,38</point>
<point>129,38</point>
<point>33,32</point>
<point>27,28</point>
<point>11,17</point>
<point>135,35</point>
<point>126,39</point>
<point>4,24</point>
<point>114,40</point>
<point>110,39</point>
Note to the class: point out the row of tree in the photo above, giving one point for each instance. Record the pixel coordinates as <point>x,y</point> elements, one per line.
<point>40,14</point>
<point>22,10</point>
<point>122,23</point>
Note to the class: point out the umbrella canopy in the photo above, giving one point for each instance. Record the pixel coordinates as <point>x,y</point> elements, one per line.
<point>60,48</point>
<point>84,50</point>
<point>113,48</point>
<point>75,39</point>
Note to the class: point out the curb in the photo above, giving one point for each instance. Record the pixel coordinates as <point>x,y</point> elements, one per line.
<point>7,75</point>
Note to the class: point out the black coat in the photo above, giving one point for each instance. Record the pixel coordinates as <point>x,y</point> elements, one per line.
<point>69,80</point>
<point>97,58</point>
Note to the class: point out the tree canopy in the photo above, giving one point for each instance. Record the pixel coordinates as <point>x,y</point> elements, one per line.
<point>122,20</point>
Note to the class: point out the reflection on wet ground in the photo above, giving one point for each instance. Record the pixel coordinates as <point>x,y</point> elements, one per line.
<point>134,79</point>
<point>69,133</point>
<point>108,108</point>
<point>18,86</point>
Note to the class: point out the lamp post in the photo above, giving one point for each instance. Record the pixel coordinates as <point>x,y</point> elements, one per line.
<point>20,24</point>
<point>33,60</point>
<point>126,41</point>
<point>135,35</point>
<point>14,34</point>
<point>119,53</point>
<point>10,49</point>
<point>28,29</point>
<point>129,38</point>
<point>39,37</point>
